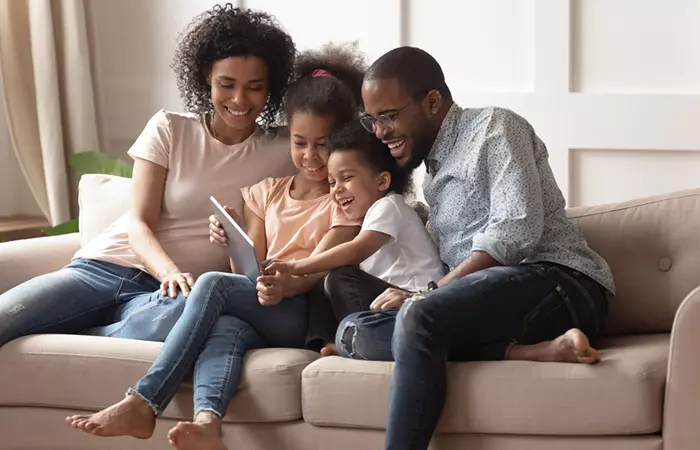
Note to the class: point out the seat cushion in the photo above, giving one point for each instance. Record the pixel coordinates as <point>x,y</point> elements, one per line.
<point>85,372</point>
<point>623,394</point>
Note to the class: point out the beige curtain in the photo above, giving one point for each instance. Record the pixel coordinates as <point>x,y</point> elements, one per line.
<point>49,100</point>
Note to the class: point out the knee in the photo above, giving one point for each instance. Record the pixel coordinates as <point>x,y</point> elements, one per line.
<point>335,282</point>
<point>346,336</point>
<point>414,327</point>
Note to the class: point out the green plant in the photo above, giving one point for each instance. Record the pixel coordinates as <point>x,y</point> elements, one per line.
<point>86,163</point>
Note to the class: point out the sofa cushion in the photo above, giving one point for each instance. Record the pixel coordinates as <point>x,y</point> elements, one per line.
<point>102,199</point>
<point>623,394</point>
<point>90,373</point>
<point>653,248</point>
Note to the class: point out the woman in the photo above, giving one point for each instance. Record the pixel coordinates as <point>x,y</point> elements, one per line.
<point>232,69</point>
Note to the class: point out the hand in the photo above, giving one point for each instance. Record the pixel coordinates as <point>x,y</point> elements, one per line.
<point>273,288</point>
<point>390,299</point>
<point>272,266</point>
<point>174,280</point>
<point>217,235</point>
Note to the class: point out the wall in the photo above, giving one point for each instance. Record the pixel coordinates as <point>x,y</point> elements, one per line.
<point>612,86</point>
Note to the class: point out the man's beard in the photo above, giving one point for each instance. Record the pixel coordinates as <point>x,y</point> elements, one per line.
<point>422,144</point>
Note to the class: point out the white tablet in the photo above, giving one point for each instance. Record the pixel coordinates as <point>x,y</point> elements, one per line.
<point>240,247</point>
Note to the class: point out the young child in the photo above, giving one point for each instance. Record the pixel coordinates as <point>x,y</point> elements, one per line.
<point>226,314</point>
<point>393,247</point>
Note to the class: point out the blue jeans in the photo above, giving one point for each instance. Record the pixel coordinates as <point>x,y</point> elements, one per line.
<point>221,321</point>
<point>478,317</point>
<point>90,297</point>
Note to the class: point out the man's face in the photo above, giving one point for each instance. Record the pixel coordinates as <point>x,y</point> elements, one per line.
<point>409,136</point>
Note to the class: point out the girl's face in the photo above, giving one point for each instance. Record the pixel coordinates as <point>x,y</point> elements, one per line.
<point>309,152</point>
<point>355,185</point>
<point>239,90</point>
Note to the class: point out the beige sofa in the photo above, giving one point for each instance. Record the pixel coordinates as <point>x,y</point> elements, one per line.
<point>644,395</point>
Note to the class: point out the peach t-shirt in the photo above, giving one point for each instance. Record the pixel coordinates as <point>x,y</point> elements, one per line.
<point>293,228</point>
<point>197,166</point>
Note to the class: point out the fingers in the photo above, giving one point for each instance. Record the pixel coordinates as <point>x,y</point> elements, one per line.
<point>217,235</point>
<point>234,215</point>
<point>164,288</point>
<point>393,303</point>
<point>172,288</point>
<point>183,285</point>
<point>190,279</point>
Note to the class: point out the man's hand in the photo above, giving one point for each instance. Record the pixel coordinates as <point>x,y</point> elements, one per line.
<point>390,299</point>
<point>272,289</point>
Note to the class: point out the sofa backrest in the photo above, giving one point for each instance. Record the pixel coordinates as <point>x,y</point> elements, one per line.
<point>653,248</point>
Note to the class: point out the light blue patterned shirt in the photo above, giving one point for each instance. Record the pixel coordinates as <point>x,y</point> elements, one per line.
<point>490,188</point>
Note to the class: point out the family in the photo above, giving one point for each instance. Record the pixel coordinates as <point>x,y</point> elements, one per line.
<point>349,267</point>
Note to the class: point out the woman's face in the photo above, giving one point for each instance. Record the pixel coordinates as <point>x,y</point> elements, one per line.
<point>239,90</point>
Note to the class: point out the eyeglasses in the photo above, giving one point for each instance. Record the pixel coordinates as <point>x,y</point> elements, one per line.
<point>386,121</point>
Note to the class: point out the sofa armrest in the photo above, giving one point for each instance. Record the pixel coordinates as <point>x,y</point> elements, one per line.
<point>25,259</point>
<point>682,409</point>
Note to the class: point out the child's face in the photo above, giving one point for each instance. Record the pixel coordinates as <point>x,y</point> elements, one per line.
<point>309,152</point>
<point>355,185</point>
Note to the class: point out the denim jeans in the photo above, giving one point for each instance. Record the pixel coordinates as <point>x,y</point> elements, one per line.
<point>222,320</point>
<point>90,297</point>
<point>478,317</point>
<point>343,291</point>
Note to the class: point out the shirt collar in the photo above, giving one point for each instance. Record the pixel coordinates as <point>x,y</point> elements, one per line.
<point>444,141</point>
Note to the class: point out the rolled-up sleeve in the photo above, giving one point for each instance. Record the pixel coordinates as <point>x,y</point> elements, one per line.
<point>516,216</point>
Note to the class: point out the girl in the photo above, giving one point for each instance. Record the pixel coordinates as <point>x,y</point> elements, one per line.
<point>393,248</point>
<point>226,314</point>
<point>232,68</point>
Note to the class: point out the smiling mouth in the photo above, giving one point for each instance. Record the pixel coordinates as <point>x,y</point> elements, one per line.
<point>236,112</point>
<point>345,202</point>
<point>396,147</point>
<point>313,169</point>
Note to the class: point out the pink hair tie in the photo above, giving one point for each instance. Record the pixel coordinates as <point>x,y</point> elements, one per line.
<point>321,73</point>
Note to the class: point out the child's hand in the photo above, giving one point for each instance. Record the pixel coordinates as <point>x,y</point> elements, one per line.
<point>392,298</point>
<point>272,289</point>
<point>217,235</point>
<point>273,266</point>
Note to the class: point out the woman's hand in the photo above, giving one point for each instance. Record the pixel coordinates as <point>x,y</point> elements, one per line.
<point>392,298</point>
<point>173,281</point>
<point>217,235</point>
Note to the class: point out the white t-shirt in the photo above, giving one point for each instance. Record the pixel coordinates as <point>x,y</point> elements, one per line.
<point>198,166</point>
<point>410,260</point>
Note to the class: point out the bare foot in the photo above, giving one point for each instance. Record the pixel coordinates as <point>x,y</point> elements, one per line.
<point>202,434</point>
<point>329,350</point>
<point>572,346</point>
<point>130,417</point>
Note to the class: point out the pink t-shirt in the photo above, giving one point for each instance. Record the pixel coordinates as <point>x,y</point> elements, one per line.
<point>198,166</point>
<point>293,228</point>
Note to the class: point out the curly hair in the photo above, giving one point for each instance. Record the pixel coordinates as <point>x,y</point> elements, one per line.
<point>375,153</point>
<point>337,95</point>
<point>224,32</point>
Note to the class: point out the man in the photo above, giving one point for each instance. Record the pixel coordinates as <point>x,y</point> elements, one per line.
<point>522,282</point>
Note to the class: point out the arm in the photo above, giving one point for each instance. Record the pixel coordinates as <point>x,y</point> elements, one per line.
<point>146,202</point>
<point>286,285</point>
<point>348,254</point>
<point>516,217</point>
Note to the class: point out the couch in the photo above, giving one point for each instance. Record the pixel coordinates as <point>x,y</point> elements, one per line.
<point>643,395</point>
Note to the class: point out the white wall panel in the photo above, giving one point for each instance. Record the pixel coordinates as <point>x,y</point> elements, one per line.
<point>481,45</point>
<point>601,176</point>
<point>637,46</point>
